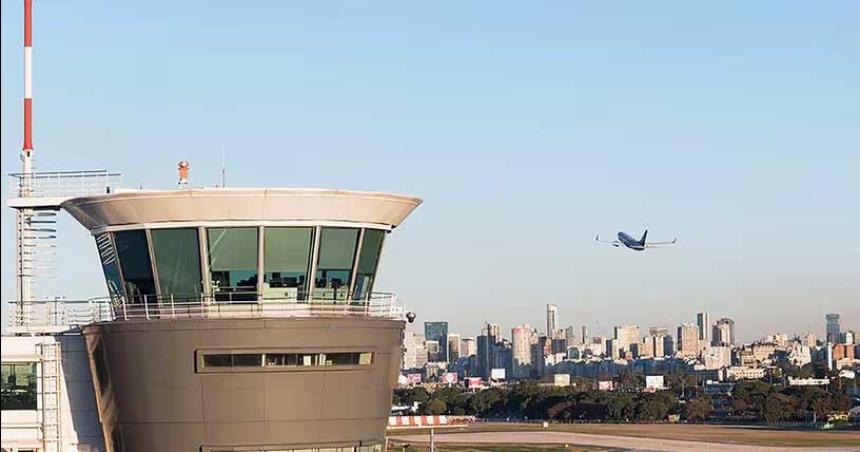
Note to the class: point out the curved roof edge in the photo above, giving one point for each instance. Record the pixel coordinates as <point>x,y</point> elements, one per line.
<point>240,204</point>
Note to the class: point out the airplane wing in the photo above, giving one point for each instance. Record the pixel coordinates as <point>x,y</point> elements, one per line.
<point>614,243</point>
<point>659,244</point>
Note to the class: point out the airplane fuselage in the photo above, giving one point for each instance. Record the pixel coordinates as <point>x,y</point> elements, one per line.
<point>630,242</point>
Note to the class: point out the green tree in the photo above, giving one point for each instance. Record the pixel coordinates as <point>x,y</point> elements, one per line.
<point>434,406</point>
<point>620,407</point>
<point>698,409</point>
<point>778,407</point>
<point>488,402</point>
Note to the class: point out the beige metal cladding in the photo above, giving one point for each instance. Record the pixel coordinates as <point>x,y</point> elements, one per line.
<point>151,398</point>
<point>150,207</point>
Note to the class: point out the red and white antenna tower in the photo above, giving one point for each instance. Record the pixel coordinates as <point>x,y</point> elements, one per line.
<point>27,151</point>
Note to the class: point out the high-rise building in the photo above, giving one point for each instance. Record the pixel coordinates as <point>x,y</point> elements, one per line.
<point>414,355</point>
<point>653,345</point>
<point>834,328</point>
<point>688,339</point>
<point>453,347</point>
<point>703,322</point>
<point>724,333</point>
<point>625,336</point>
<point>437,331</point>
<point>494,330</point>
<point>468,346</point>
<point>570,336</point>
<point>658,331</point>
<point>484,355</point>
<point>551,319</point>
<point>539,351</point>
<point>669,345</point>
<point>521,351</point>
<point>584,334</point>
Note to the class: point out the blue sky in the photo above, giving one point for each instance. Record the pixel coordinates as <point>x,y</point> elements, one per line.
<point>527,129</point>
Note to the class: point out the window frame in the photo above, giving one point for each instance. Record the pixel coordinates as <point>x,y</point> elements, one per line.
<point>200,366</point>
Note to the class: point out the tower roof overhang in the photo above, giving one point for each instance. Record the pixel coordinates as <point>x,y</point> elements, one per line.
<point>258,205</point>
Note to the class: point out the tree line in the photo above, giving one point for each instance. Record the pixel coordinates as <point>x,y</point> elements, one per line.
<point>753,401</point>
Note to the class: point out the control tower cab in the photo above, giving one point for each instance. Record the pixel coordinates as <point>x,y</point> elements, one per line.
<point>243,319</point>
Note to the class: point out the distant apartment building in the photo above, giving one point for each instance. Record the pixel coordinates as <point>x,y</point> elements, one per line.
<point>717,357</point>
<point>468,346</point>
<point>658,331</point>
<point>843,351</point>
<point>434,353</point>
<point>626,336</point>
<point>833,327</point>
<point>723,333</point>
<point>494,330</point>
<point>551,319</point>
<point>570,336</point>
<point>848,338</point>
<point>453,347</point>
<point>743,373</point>
<point>438,332</point>
<point>809,339</point>
<point>539,351</point>
<point>703,322</point>
<point>653,345</point>
<point>755,354</point>
<point>414,354</point>
<point>521,352</point>
<point>669,347</point>
<point>688,339</point>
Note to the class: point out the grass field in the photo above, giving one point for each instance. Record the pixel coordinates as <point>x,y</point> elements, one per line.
<point>756,436</point>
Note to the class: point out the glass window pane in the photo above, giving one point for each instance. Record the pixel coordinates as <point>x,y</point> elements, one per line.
<point>286,260</point>
<point>371,246</point>
<point>110,266</point>
<point>18,386</point>
<point>134,262</point>
<point>177,261</point>
<point>233,263</point>
<point>334,265</point>
<point>247,360</point>
<point>217,360</point>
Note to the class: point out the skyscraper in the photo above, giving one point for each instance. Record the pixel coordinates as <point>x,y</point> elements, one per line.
<point>688,339</point>
<point>437,331</point>
<point>494,330</point>
<point>703,321</point>
<point>414,355</point>
<point>521,351</point>
<point>724,333</point>
<point>658,331</point>
<point>584,334</point>
<point>625,336</point>
<point>834,328</point>
<point>551,319</point>
<point>468,346</point>
<point>453,347</point>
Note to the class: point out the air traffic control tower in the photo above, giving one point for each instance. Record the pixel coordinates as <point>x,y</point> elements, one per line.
<point>243,319</point>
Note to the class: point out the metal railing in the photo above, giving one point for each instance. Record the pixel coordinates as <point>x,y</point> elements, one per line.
<point>59,312</point>
<point>62,184</point>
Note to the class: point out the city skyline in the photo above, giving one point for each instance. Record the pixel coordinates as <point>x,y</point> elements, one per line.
<point>609,331</point>
<point>734,134</point>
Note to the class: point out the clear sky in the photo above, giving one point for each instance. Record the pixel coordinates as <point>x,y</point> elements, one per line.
<point>527,127</point>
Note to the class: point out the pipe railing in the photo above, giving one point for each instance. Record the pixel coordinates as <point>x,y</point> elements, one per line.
<point>62,184</point>
<point>60,312</point>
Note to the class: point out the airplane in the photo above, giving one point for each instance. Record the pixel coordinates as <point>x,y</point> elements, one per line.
<point>638,245</point>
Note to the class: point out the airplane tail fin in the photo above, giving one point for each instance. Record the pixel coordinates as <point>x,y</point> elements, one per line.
<point>644,236</point>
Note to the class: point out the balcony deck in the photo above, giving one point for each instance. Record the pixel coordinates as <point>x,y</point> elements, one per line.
<point>54,316</point>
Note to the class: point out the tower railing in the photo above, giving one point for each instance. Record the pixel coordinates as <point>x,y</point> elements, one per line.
<point>60,313</point>
<point>62,184</point>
